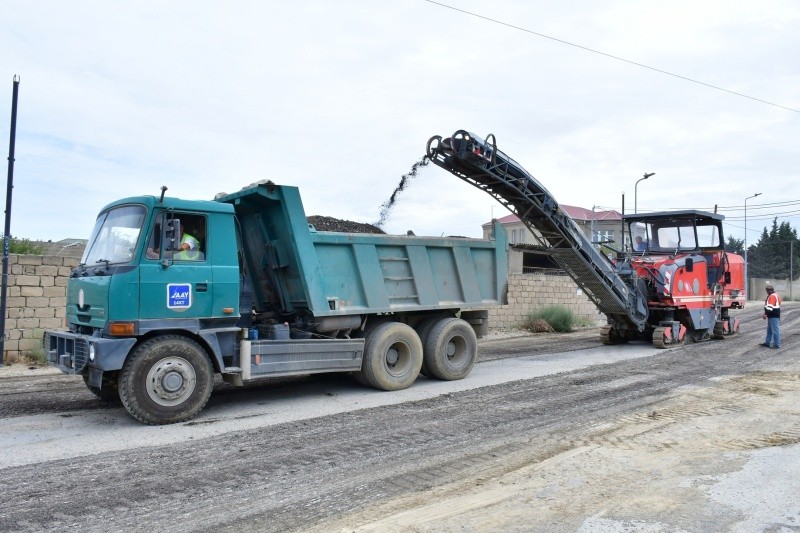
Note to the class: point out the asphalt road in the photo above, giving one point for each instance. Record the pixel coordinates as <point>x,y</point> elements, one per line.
<point>549,432</point>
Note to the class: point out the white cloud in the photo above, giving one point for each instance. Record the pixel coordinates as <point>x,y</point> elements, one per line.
<point>340,99</point>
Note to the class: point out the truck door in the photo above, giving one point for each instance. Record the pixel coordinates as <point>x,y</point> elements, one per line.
<point>176,278</point>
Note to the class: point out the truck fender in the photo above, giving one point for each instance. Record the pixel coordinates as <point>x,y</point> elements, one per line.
<point>220,342</point>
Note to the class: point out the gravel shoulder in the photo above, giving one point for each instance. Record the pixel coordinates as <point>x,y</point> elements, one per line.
<point>702,437</point>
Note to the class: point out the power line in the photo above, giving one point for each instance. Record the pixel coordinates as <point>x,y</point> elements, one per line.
<point>757,207</point>
<point>512,26</point>
<point>760,206</point>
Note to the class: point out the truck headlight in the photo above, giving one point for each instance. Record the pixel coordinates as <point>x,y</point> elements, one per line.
<point>91,352</point>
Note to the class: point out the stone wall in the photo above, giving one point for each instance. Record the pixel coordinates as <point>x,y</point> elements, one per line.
<point>36,300</point>
<point>528,293</point>
<point>788,290</point>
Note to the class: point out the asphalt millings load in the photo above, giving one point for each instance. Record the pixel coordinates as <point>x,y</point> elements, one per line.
<point>323,223</point>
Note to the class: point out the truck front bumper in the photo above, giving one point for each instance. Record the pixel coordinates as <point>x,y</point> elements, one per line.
<point>72,353</point>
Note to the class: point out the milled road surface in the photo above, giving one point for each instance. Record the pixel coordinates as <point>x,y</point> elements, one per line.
<point>550,432</point>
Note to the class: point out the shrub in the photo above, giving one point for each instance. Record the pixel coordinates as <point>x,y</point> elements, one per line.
<point>559,317</point>
<point>29,358</point>
<point>538,325</point>
<point>24,246</point>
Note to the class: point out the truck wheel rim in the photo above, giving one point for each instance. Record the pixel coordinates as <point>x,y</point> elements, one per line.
<point>456,349</point>
<point>397,357</point>
<point>171,381</point>
<point>451,349</point>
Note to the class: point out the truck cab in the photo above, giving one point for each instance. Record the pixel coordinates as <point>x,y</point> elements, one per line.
<point>134,284</point>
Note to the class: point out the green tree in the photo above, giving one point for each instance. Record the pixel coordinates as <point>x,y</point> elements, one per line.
<point>735,246</point>
<point>24,246</point>
<point>771,256</point>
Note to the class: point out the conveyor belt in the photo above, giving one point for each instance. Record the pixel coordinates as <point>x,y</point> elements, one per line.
<point>478,162</point>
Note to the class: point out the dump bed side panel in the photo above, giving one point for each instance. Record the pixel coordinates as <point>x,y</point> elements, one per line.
<point>297,269</point>
<point>386,273</point>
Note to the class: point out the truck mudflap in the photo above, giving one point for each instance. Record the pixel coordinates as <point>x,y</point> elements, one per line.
<point>72,353</point>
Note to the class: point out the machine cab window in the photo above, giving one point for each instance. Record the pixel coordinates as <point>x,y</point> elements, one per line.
<point>178,236</point>
<point>670,233</point>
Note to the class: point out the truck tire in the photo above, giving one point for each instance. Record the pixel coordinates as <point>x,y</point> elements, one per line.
<point>109,392</point>
<point>166,380</point>
<point>392,356</point>
<point>371,324</point>
<point>423,329</point>
<point>451,349</point>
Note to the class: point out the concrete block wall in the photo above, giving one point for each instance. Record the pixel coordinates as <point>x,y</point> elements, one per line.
<point>37,289</point>
<point>36,300</point>
<point>528,293</point>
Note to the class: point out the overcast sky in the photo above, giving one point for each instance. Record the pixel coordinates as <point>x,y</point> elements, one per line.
<point>339,98</point>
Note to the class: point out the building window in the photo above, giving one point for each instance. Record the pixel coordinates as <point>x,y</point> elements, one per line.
<point>603,236</point>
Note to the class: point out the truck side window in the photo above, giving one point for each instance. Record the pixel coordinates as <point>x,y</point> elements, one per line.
<point>189,237</point>
<point>192,238</point>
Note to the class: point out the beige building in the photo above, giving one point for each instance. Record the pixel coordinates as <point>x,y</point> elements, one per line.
<point>598,227</point>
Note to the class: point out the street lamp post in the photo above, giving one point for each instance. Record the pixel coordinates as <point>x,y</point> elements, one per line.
<point>635,187</point>
<point>746,288</point>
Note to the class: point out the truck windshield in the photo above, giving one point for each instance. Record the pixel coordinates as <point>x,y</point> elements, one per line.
<point>115,235</point>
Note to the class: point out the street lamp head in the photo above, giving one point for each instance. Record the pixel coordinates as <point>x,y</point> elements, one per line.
<point>648,174</point>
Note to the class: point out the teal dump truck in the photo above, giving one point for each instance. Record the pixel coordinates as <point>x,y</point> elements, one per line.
<point>257,292</point>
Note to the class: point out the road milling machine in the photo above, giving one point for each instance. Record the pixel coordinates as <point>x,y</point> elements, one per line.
<point>673,282</point>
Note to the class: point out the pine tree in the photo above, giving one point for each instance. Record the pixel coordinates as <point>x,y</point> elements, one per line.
<point>770,256</point>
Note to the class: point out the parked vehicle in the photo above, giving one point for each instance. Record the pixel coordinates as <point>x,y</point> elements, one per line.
<point>264,294</point>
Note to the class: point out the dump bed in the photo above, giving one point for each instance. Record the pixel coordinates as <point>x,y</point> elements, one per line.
<point>295,268</point>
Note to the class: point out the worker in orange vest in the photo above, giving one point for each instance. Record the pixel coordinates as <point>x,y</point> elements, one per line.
<point>772,314</point>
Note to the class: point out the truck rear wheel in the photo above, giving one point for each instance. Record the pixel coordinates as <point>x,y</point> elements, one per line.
<point>165,380</point>
<point>423,329</point>
<point>392,356</point>
<point>451,349</point>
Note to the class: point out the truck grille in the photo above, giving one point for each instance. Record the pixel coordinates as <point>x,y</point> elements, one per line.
<point>68,351</point>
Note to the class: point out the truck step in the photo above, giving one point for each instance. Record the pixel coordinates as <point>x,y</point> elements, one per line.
<point>232,370</point>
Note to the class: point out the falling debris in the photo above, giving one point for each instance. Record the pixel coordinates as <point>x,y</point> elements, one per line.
<point>405,180</point>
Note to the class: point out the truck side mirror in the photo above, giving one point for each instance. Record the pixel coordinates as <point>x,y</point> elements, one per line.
<point>727,278</point>
<point>689,264</point>
<point>171,237</point>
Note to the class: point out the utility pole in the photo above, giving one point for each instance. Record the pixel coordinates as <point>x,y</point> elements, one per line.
<point>791,267</point>
<point>746,282</point>
<point>7,230</point>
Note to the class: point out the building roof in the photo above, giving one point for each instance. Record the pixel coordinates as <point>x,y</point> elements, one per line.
<point>64,247</point>
<point>576,213</point>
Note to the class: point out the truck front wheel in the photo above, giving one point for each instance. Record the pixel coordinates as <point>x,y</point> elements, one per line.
<point>392,356</point>
<point>108,392</point>
<point>166,380</point>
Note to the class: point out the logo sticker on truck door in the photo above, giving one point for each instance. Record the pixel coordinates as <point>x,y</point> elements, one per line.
<point>179,296</point>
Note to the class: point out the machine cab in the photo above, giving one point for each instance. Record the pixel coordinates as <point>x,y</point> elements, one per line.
<point>671,233</point>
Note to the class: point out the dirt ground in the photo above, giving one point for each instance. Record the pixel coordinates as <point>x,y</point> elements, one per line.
<point>693,463</point>
<point>560,434</point>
